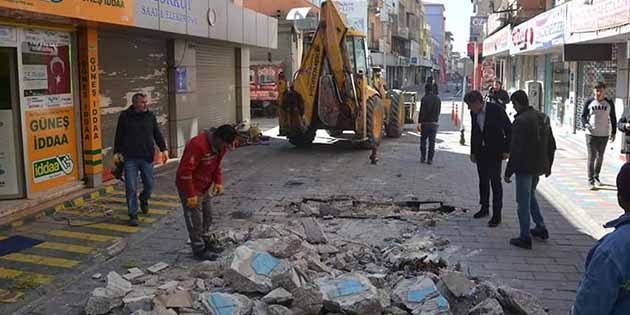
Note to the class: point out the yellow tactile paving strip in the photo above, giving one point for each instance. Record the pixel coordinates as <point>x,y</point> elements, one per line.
<point>90,228</point>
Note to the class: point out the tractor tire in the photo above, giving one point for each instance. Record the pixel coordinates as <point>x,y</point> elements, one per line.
<point>374,123</point>
<point>396,122</point>
<point>303,140</point>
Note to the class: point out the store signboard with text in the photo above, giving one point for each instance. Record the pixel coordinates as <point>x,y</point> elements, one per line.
<point>498,42</point>
<point>49,123</point>
<point>356,13</point>
<point>108,11</point>
<point>543,31</point>
<point>597,16</point>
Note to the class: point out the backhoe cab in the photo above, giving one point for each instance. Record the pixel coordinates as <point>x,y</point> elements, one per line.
<point>331,90</point>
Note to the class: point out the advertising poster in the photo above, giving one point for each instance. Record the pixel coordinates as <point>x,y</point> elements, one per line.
<point>8,165</point>
<point>51,147</point>
<point>47,71</point>
<point>109,11</point>
<point>355,12</point>
<point>49,111</point>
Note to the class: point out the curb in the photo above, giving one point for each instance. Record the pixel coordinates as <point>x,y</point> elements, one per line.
<point>70,203</point>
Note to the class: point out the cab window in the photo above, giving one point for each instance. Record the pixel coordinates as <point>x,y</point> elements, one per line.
<point>360,56</point>
<point>350,49</point>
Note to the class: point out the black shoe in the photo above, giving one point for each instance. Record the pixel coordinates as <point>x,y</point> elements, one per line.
<point>494,222</point>
<point>423,160</point>
<point>429,162</point>
<point>591,185</point>
<point>521,243</point>
<point>597,183</point>
<point>205,255</point>
<point>133,220</point>
<point>484,212</point>
<point>542,234</point>
<point>144,206</point>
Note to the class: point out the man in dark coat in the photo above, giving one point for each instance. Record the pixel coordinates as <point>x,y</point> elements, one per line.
<point>490,142</point>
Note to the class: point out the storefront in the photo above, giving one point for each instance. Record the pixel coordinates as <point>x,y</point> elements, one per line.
<point>593,32</point>
<point>537,46</point>
<point>67,73</point>
<point>40,111</point>
<point>497,47</point>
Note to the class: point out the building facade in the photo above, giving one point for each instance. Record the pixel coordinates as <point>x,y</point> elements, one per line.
<point>434,13</point>
<point>560,53</point>
<point>69,68</point>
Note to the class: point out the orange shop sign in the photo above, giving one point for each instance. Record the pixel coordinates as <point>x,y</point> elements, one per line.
<point>108,11</point>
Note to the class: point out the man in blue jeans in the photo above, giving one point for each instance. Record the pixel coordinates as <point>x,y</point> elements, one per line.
<point>137,133</point>
<point>532,150</point>
<point>428,118</point>
<point>605,285</point>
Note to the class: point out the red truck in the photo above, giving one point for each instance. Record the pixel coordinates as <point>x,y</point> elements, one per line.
<point>263,87</point>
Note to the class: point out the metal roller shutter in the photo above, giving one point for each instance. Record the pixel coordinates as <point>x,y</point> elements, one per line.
<point>129,64</point>
<point>216,84</point>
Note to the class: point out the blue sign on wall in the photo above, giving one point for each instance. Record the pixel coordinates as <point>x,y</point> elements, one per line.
<point>181,82</point>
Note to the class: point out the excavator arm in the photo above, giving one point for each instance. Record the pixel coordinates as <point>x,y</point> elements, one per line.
<point>327,46</point>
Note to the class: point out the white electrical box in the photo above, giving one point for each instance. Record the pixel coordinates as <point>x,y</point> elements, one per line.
<point>534,91</point>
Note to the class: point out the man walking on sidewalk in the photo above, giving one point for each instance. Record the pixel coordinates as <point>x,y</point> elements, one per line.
<point>137,133</point>
<point>490,141</point>
<point>199,169</point>
<point>428,118</point>
<point>532,152</point>
<point>605,285</point>
<point>600,122</point>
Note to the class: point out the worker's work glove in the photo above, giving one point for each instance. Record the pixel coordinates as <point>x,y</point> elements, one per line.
<point>192,202</point>
<point>165,156</point>
<point>217,189</point>
<point>118,158</point>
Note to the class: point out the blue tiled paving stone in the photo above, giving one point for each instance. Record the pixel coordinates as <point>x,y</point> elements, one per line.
<point>222,306</point>
<point>347,287</point>
<point>264,263</point>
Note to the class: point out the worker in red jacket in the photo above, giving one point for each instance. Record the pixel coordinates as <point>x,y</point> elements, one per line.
<point>200,168</point>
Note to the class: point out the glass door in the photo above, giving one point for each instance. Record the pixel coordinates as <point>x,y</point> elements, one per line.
<point>11,166</point>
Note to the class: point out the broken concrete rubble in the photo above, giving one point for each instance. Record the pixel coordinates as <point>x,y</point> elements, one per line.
<point>307,300</point>
<point>278,310</point>
<point>289,279</point>
<point>133,273</point>
<point>350,293</point>
<point>105,299</point>
<point>420,296</point>
<point>176,299</point>
<point>278,296</point>
<point>488,307</point>
<point>227,304</point>
<point>259,308</point>
<point>520,302</point>
<point>313,231</point>
<point>252,271</point>
<point>157,267</point>
<point>457,283</point>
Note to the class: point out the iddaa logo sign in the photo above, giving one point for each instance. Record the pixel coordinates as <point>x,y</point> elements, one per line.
<point>52,167</point>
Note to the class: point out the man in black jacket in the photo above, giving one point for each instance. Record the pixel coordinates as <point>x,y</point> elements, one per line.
<point>429,118</point>
<point>531,154</point>
<point>498,95</point>
<point>624,126</point>
<point>490,138</point>
<point>137,134</point>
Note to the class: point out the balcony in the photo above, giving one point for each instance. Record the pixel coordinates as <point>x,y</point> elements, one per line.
<point>401,32</point>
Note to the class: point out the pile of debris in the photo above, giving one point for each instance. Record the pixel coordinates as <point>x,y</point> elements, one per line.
<point>347,207</point>
<point>274,271</point>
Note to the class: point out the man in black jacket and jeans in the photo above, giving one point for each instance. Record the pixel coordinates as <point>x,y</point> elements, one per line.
<point>531,154</point>
<point>490,139</point>
<point>137,134</point>
<point>429,118</point>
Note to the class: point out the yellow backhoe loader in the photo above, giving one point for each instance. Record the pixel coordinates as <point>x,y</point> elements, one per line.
<point>332,89</point>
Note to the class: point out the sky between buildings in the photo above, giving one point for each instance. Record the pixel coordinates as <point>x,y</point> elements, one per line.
<point>458,14</point>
